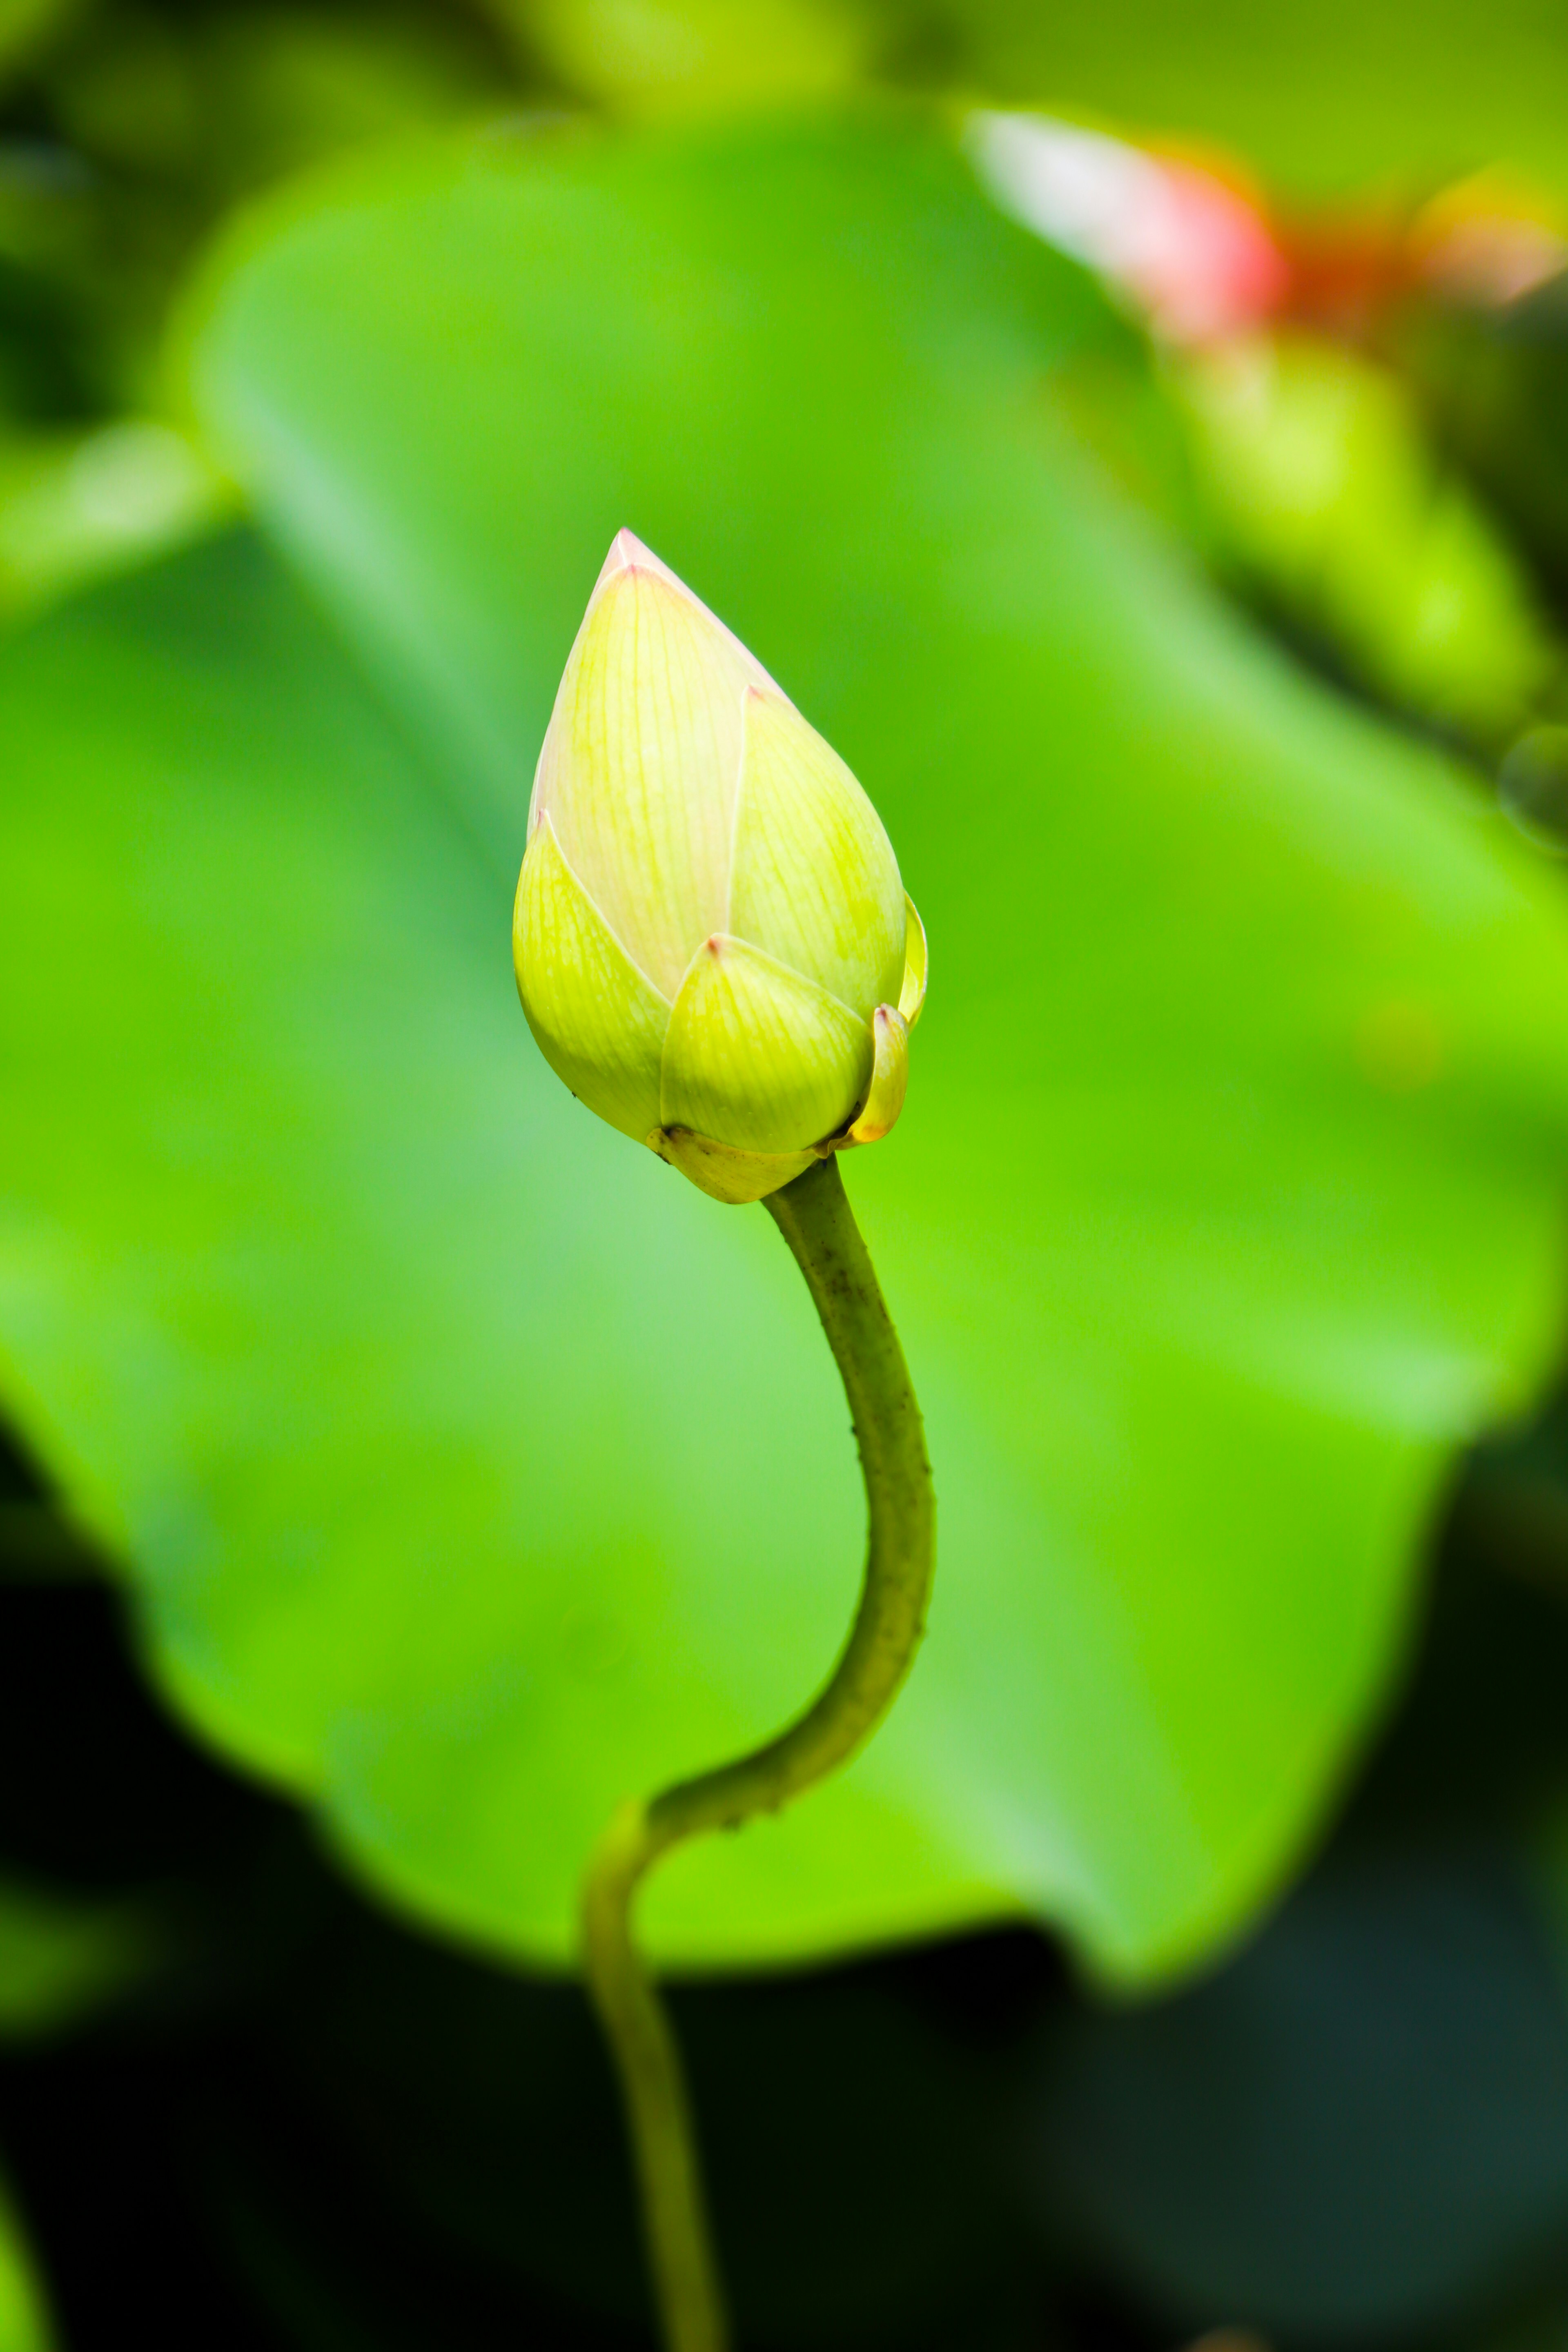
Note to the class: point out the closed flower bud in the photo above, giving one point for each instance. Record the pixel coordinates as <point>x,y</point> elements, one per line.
<point>713,946</point>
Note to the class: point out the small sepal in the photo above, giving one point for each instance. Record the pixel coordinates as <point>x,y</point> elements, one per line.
<point>889,1077</point>
<point>912,994</point>
<point>723,1172</point>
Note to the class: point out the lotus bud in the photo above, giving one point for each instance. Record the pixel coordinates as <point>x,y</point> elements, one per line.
<point>713,946</point>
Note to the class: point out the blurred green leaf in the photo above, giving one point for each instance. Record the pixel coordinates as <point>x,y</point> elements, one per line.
<point>475,1470</point>
<point>671,57</point>
<point>219,99</point>
<point>1357,2132</point>
<point>86,266</point>
<point>1498,382</point>
<point>1327,501</point>
<point>285,85</point>
<point>23,23</point>
<point>60,1959</point>
<point>77,505</point>
<point>125,90</point>
<point>1329,98</point>
<point>863,2152</point>
<point>24,2315</point>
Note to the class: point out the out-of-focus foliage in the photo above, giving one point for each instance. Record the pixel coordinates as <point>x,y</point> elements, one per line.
<point>74,506</point>
<point>1532,785</point>
<point>652,59</point>
<point>1326,500</point>
<point>341,2135</point>
<point>466,1474</point>
<point>1332,99</point>
<point>1314,479</point>
<point>132,127</point>
<point>22,24</point>
<point>1354,2132</point>
<point>60,1960</point>
<point>472,1472</point>
<point>1497,382</point>
<point>1384,2072</point>
<point>24,2319</point>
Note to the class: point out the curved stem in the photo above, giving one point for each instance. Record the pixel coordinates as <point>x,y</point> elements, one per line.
<point>815,1219</point>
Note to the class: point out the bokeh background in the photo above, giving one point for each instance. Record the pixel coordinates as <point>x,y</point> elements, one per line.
<point>1139,439</point>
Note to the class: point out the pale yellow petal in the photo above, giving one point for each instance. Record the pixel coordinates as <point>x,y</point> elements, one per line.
<point>890,1078</point>
<point>599,1022</point>
<point>759,1058</point>
<point>640,763</point>
<point>628,553</point>
<point>726,1174</point>
<point>814,880</point>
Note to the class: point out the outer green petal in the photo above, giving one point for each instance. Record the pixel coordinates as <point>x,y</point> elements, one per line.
<point>758,1057</point>
<point>639,765</point>
<point>726,1174</point>
<point>917,961</point>
<point>814,881</point>
<point>599,1024</point>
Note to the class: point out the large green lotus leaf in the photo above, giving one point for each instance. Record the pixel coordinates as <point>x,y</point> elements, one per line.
<point>1330,97</point>
<point>475,1468</point>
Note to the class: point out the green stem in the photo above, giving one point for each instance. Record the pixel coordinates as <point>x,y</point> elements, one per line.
<point>815,1219</point>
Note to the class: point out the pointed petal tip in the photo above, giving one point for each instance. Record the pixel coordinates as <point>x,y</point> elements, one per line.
<point>629,556</point>
<point>760,693</point>
<point>628,553</point>
<point>627,550</point>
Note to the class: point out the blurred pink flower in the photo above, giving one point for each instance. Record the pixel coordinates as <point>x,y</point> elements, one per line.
<point>1193,252</point>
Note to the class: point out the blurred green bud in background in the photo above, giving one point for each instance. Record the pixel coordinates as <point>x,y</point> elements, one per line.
<point>713,946</point>
<point>1328,500</point>
<point>665,59</point>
